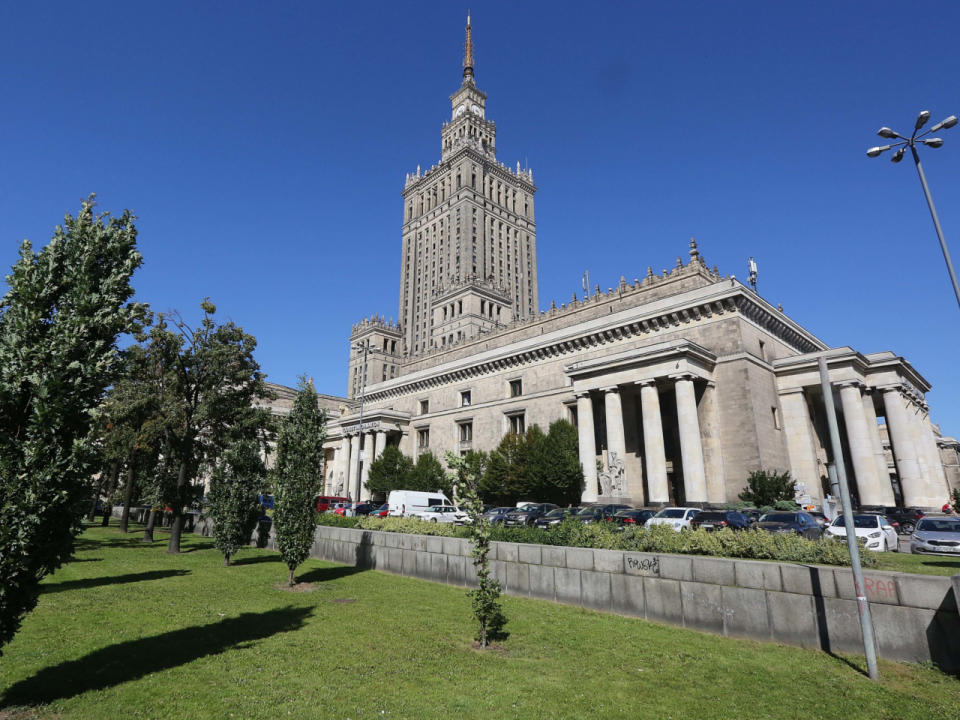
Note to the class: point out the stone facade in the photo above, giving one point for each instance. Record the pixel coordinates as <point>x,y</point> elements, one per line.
<point>680,383</point>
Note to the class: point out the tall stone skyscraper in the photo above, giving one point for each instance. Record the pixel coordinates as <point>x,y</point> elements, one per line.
<point>469,254</point>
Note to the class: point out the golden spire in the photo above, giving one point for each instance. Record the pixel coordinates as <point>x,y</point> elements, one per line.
<point>468,53</point>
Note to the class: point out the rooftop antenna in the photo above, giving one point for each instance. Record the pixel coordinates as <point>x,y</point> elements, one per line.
<point>752,277</point>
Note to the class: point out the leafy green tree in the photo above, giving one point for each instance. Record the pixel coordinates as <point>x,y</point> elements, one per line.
<point>59,322</point>
<point>390,471</point>
<point>485,598</point>
<point>297,477</point>
<point>474,465</point>
<point>767,487</point>
<point>557,462</point>
<point>235,484</point>
<point>206,379</point>
<point>505,479</point>
<point>428,475</point>
<point>955,500</point>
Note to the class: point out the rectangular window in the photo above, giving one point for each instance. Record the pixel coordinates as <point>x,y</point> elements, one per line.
<point>466,432</point>
<point>424,407</point>
<point>465,398</point>
<point>776,417</point>
<point>517,424</point>
<point>516,388</point>
<point>423,438</point>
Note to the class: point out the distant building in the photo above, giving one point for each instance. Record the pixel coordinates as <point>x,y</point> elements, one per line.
<point>680,382</point>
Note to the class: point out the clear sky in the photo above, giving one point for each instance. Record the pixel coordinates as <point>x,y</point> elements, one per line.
<point>264,147</point>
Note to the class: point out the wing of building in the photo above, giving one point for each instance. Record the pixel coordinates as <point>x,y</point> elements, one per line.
<point>680,383</point>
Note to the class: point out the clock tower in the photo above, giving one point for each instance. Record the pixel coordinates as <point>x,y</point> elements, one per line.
<point>469,232</point>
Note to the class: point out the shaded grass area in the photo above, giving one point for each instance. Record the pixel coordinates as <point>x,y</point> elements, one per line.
<point>194,639</point>
<point>924,564</point>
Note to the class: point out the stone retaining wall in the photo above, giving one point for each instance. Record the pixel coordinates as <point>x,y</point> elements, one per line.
<point>915,617</point>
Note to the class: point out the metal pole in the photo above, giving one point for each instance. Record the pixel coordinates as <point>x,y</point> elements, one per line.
<point>866,624</point>
<point>936,223</point>
<point>363,390</point>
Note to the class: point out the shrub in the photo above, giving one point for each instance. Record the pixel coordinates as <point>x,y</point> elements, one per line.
<point>766,487</point>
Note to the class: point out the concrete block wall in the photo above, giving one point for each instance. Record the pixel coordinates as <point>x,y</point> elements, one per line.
<point>915,617</point>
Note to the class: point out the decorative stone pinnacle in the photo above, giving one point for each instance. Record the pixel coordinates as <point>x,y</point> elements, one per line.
<point>694,253</point>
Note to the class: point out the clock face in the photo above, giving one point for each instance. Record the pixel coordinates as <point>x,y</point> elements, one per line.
<point>460,110</point>
<point>476,110</point>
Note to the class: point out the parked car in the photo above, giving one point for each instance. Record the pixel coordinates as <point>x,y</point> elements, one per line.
<point>790,522</point>
<point>676,517</point>
<point>496,514</point>
<point>753,513</point>
<point>324,502</point>
<point>940,535</point>
<point>527,515</point>
<point>381,511</point>
<point>718,519</point>
<point>875,531</point>
<point>904,519</point>
<point>631,517</point>
<point>364,508</point>
<point>822,520</point>
<point>600,512</point>
<point>405,503</point>
<point>554,517</point>
<point>444,514</point>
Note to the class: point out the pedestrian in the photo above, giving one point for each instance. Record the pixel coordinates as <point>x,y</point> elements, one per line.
<point>946,509</point>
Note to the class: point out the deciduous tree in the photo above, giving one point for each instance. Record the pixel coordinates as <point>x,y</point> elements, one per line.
<point>235,485</point>
<point>59,323</point>
<point>390,471</point>
<point>297,477</point>
<point>766,487</point>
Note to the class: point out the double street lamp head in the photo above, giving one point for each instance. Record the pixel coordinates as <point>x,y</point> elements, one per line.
<point>911,141</point>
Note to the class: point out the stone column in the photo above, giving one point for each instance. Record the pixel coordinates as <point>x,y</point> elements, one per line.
<point>712,451</point>
<point>381,443</point>
<point>880,459</point>
<point>353,486</point>
<point>904,449</point>
<point>861,449</point>
<point>616,443</point>
<point>343,467</point>
<point>691,449</point>
<point>655,459</point>
<point>927,447</point>
<point>367,458</point>
<point>588,447</point>
<point>801,440</point>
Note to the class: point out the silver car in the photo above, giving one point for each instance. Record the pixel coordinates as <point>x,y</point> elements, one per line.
<point>936,535</point>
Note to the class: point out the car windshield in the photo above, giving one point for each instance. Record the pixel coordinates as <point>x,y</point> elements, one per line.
<point>779,517</point>
<point>951,525</point>
<point>670,513</point>
<point>527,509</point>
<point>558,513</point>
<point>859,521</point>
<point>707,516</point>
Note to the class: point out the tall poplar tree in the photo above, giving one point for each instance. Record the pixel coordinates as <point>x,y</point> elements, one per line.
<point>59,323</point>
<point>297,477</point>
<point>235,484</point>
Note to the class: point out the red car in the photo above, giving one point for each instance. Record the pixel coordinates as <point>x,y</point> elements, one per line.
<point>325,502</point>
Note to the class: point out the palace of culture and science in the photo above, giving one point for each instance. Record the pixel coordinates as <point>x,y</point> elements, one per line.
<point>680,383</point>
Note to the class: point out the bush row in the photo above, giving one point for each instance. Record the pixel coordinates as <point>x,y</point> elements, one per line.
<point>747,544</point>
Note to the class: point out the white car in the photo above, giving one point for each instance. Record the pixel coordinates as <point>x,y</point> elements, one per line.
<point>875,530</point>
<point>676,517</point>
<point>444,514</point>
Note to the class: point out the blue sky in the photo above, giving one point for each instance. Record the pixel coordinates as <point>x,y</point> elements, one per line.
<point>264,146</point>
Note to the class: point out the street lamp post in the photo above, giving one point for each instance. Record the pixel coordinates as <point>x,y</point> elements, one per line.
<point>911,142</point>
<point>365,346</point>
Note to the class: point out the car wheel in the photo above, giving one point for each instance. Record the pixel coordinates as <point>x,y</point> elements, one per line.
<point>907,528</point>
<point>433,520</point>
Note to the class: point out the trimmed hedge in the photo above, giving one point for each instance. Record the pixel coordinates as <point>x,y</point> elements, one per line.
<point>747,544</point>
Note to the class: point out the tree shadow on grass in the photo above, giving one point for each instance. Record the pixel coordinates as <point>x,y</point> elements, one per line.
<point>133,659</point>
<point>48,588</point>
<point>195,546</point>
<point>319,575</point>
<point>255,560</point>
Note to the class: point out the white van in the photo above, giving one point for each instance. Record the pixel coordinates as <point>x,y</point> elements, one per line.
<point>404,503</point>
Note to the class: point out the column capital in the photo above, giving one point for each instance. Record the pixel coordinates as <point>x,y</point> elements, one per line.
<point>610,389</point>
<point>848,384</point>
<point>585,394</point>
<point>677,377</point>
<point>791,391</point>
<point>646,383</point>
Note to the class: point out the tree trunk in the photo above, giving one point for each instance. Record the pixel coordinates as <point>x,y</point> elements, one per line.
<point>290,579</point>
<point>111,486</point>
<point>176,526</point>
<point>226,561</point>
<point>128,492</point>
<point>107,512</point>
<point>91,516</point>
<point>148,530</point>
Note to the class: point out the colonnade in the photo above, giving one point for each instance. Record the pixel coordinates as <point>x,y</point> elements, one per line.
<point>654,450</point>
<point>920,472</point>
<point>345,463</point>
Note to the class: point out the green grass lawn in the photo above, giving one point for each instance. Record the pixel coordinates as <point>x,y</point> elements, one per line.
<point>924,564</point>
<point>127,631</point>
